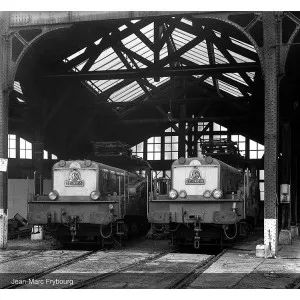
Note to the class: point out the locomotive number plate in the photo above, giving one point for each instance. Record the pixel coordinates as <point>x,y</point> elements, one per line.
<point>74,183</point>
<point>194,181</point>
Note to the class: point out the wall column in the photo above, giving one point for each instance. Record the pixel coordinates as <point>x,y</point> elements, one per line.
<point>4,93</point>
<point>270,51</point>
<point>181,142</point>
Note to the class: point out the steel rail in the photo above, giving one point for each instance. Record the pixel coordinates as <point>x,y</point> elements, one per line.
<point>50,270</point>
<point>191,276</point>
<point>100,277</point>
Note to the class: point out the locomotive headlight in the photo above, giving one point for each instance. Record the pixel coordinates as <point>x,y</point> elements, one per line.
<point>207,194</point>
<point>217,193</point>
<point>173,194</point>
<point>95,195</point>
<point>53,195</point>
<point>182,194</point>
<point>110,207</point>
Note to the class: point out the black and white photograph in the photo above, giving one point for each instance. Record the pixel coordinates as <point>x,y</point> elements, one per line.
<point>149,148</point>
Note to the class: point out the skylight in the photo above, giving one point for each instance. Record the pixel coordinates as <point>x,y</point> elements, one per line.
<point>136,50</point>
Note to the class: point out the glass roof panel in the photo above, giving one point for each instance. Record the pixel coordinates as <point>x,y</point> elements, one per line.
<point>17,87</point>
<point>98,41</point>
<point>198,54</point>
<point>229,89</point>
<point>76,54</point>
<point>186,21</point>
<point>148,31</point>
<point>235,76</point>
<point>107,60</point>
<point>240,58</point>
<point>127,93</point>
<point>219,57</point>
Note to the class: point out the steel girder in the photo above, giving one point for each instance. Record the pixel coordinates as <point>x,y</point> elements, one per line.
<point>271,35</point>
<point>162,72</point>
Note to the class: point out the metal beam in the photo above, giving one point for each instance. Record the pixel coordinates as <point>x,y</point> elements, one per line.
<point>162,72</point>
<point>33,18</point>
<point>187,120</point>
<point>164,100</point>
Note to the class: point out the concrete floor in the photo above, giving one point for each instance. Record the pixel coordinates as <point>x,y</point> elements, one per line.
<point>239,268</point>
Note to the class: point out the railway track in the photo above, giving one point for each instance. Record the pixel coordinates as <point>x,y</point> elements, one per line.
<point>133,269</point>
<point>50,270</point>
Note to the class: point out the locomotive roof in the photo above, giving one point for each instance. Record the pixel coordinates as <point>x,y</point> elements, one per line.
<point>82,164</point>
<point>206,161</point>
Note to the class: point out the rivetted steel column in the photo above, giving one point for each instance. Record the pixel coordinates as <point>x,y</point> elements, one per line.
<point>181,138</point>
<point>4,62</point>
<point>270,36</point>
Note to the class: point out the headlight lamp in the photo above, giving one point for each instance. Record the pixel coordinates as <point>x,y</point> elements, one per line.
<point>173,194</point>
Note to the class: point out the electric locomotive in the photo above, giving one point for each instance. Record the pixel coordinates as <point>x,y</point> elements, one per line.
<point>91,202</point>
<point>206,201</point>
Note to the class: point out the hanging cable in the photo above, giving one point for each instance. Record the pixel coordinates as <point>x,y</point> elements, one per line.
<point>235,234</point>
<point>108,236</point>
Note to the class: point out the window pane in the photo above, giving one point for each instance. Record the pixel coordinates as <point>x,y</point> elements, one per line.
<point>174,147</point>
<point>22,143</point>
<point>150,147</point>
<point>243,153</point>
<point>12,153</point>
<point>53,156</point>
<point>174,155</point>
<point>157,139</point>
<point>234,138</point>
<point>253,145</point>
<point>28,145</point>
<point>262,196</point>
<point>157,147</point>
<point>150,156</point>
<point>261,174</point>
<point>242,138</point>
<point>262,186</point>
<point>216,127</point>
<point>253,154</point>
<point>167,155</point>
<point>175,139</point>
<point>260,146</point>
<point>242,146</point>
<point>168,139</point>
<point>150,140</point>
<point>157,156</point>
<point>45,154</point>
<point>22,153</point>
<point>167,147</point>
<point>260,154</point>
<point>139,147</point>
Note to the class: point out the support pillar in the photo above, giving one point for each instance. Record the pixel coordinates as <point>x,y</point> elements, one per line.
<point>4,93</point>
<point>181,142</point>
<point>270,51</point>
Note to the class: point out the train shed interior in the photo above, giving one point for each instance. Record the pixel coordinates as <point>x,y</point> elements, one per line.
<point>159,85</point>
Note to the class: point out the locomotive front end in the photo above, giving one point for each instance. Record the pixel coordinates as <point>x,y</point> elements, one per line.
<point>202,199</point>
<point>75,207</point>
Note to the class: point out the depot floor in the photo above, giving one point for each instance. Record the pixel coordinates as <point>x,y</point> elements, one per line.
<point>237,268</point>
